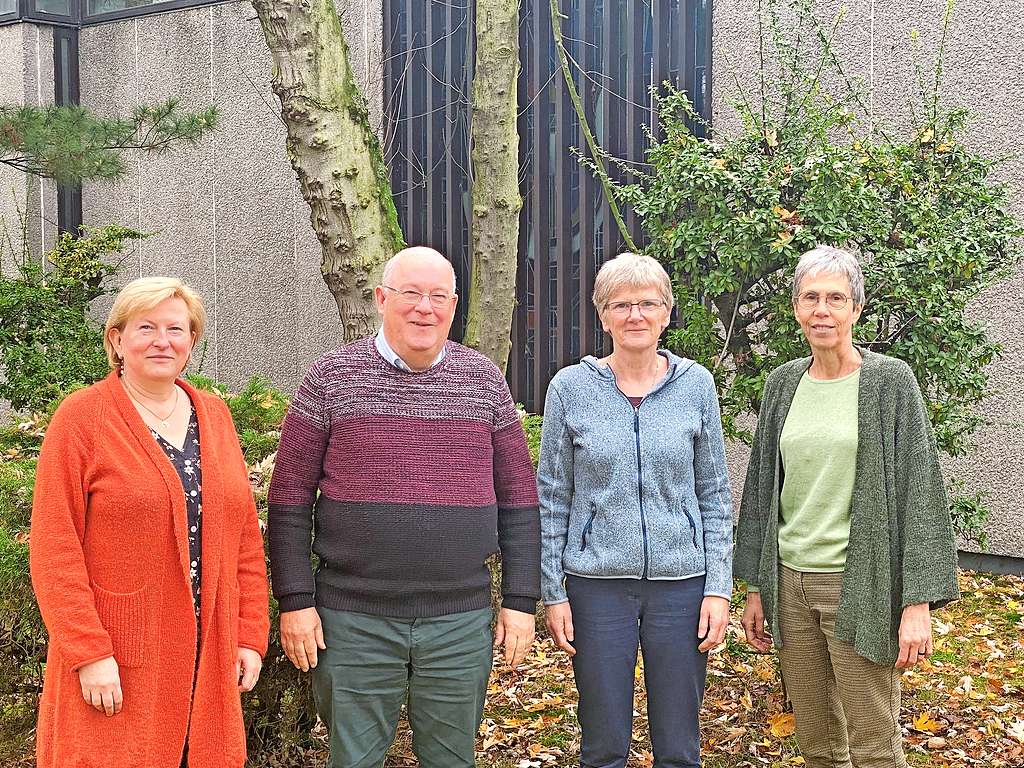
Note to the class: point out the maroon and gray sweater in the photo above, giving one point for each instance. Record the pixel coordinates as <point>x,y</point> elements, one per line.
<point>421,477</point>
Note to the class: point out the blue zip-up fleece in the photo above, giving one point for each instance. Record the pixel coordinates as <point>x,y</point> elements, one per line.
<point>630,493</point>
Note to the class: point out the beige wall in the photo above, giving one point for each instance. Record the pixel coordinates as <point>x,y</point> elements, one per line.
<point>226,216</point>
<point>984,70</point>
<point>26,51</point>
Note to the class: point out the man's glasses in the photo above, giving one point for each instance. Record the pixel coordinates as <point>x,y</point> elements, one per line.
<point>411,298</point>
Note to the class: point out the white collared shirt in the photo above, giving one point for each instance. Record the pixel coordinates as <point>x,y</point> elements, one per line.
<point>392,357</point>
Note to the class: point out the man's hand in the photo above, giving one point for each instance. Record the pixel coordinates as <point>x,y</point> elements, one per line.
<point>915,635</point>
<point>301,636</point>
<point>714,618</point>
<point>753,623</point>
<point>247,668</point>
<point>101,685</point>
<point>515,630</point>
<point>559,620</point>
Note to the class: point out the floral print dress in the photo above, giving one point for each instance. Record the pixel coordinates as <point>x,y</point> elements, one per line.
<point>186,464</point>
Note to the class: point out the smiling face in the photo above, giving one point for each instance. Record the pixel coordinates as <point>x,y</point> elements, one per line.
<point>418,331</point>
<point>634,330</point>
<point>826,328</point>
<point>154,345</point>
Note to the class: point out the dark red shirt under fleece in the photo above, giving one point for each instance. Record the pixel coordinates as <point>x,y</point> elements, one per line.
<point>421,477</point>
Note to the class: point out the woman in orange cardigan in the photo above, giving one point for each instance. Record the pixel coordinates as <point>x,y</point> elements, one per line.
<point>146,556</point>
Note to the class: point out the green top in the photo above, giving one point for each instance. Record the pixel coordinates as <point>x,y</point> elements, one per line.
<point>819,460</point>
<point>901,548</point>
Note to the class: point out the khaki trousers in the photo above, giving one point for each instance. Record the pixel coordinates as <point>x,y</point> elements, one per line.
<point>847,708</point>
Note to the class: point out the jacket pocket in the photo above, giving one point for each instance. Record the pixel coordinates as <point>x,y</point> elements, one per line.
<point>693,526</point>
<point>123,615</point>
<point>588,527</point>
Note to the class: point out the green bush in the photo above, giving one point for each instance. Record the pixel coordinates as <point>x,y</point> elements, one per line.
<point>257,411</point>
<point>48,344</point>
<point>730,215</point>
<point>22,636</point>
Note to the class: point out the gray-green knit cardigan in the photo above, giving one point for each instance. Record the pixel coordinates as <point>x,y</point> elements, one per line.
<point>901,549</point>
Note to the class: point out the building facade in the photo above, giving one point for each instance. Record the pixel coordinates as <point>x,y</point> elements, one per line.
<point>227,215</point>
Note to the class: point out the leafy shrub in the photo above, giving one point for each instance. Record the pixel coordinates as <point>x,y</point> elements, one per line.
<point>257,411</point>
<point>48,344</point>
<point>22,636</point>
<point>729,216</point>
<point>531,426</point>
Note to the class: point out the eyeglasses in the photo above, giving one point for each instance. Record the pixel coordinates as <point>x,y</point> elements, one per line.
<point>811,300</point>
<point>623,308</point>
<point>411,298</point>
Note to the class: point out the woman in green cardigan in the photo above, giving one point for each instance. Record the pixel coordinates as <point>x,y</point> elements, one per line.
<point>844,537</point>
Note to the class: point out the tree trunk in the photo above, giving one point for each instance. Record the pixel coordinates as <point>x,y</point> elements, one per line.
<point>334,152</point>
<point>495,162</point>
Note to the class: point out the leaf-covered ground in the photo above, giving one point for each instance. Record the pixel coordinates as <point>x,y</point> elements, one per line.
<point>964,707</point>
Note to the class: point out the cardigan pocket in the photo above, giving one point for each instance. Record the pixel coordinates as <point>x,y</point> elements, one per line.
<point>233,596</point>
<point>123,615</point>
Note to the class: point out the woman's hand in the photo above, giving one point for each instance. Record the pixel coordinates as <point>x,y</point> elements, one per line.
<point>714,618</point>
<point>247,668</point>
<point>559,620</point>
<point>101,685</point>
<point>915,635</point>
<point>753,623</point>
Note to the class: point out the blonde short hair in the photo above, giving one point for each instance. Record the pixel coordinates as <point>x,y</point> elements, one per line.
<point>631,270</point>
<point>141,296</point>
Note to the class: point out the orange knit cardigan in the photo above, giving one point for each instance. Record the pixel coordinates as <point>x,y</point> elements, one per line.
<point>110,567</point>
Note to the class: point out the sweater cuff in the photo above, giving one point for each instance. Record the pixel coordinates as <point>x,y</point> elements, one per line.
<point>519,603</point>
<point>295,602</point>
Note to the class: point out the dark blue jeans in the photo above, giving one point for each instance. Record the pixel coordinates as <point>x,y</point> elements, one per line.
<point>611,618</point>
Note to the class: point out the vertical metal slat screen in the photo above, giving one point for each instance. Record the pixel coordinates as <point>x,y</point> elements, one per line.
<point>618,49</point>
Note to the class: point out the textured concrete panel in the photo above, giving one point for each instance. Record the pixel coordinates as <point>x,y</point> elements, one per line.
<point>228,214</point>
<point>983,71</point>
<point>13,190</point>
<point>28,205</point>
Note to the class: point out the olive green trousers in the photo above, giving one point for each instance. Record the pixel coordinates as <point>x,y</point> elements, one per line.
<point>437,666</point>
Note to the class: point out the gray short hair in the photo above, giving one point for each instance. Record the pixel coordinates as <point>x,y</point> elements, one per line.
<point>827,259</point>
<point>392,263</point>
<point>630,270</point>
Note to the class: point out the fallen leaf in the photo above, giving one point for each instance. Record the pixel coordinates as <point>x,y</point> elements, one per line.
<point>783,724</point>
<point>925,723</point>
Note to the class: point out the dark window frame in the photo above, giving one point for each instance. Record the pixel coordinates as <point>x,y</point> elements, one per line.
<point>65,94</point>
<point>78,17</point>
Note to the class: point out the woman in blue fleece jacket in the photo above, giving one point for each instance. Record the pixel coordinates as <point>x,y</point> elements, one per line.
<point>636,523</point>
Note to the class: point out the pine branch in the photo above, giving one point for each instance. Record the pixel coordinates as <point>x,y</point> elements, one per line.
<point>71,145</point>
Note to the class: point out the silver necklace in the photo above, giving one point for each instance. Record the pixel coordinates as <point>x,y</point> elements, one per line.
<point>164,420</point>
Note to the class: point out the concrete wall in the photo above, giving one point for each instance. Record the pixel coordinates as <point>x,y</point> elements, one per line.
<point>227,215</point>
<point>984,69</point>
<point>28,206</point>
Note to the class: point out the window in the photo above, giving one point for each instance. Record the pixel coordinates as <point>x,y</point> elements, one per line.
<point>53,7</point>
<point>8,8</point>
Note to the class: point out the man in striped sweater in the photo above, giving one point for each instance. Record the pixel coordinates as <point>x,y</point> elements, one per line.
<point>403,462</point>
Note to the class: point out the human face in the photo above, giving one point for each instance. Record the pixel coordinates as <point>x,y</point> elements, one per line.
<point>634,330</point>
<point>825,328</point>
<point>417,332</point>
<point>155,345</point>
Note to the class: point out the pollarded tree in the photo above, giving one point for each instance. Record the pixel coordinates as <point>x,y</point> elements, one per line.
<point>495,162</point>
<point>343,177</point>
<point>334,152</point>
<point>729,217</point>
